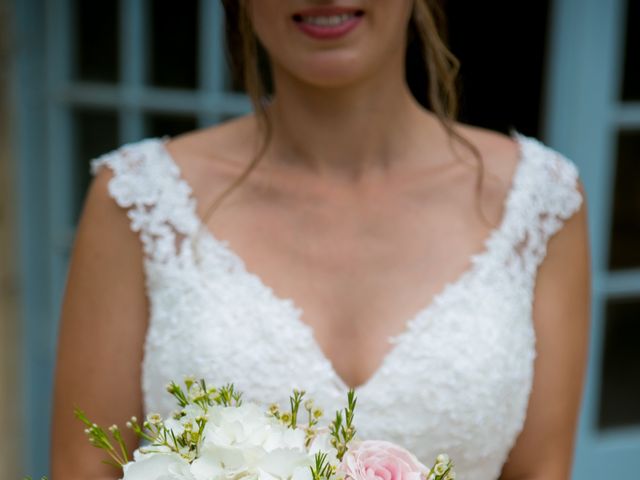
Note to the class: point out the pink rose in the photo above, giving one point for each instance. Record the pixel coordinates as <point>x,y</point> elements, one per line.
<point>380,460</point>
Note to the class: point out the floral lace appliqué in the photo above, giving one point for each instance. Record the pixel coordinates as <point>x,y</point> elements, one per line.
<point>457,380</point>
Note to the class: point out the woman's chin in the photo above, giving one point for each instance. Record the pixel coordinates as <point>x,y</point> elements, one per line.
<point>331,75</point>
<point>328,81</point>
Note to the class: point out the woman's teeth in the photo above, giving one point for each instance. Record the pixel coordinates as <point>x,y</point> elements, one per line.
<point>330,21</point>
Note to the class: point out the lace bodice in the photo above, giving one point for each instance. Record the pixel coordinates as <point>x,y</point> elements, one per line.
<point>457,379</point>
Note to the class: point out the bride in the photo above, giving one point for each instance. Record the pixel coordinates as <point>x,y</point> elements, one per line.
<point>364,241</point>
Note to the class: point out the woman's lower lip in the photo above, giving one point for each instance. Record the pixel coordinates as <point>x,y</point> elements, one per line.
<point>329,31</point>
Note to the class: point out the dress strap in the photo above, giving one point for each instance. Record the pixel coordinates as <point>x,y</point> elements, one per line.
<point>547,195</point>
<point>149,187</point>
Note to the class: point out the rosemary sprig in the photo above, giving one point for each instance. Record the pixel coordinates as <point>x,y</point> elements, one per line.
<point>322,469</point>
<point>342,429</point>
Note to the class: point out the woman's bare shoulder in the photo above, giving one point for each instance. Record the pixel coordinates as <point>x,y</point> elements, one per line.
<point>500,156</point>
<point>212,156</point>
<point>224,143</point>
<point>500,152</point>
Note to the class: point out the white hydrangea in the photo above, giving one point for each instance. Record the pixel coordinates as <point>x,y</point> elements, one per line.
<point>239,442</point>
<point>157,466</point>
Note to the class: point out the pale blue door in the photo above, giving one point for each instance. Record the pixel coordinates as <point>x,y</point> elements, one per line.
<point>88,78</point>
<point>593,115</point>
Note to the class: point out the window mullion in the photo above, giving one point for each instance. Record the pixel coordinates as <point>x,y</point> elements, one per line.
<point>133,40</point>
<point>212,63</point>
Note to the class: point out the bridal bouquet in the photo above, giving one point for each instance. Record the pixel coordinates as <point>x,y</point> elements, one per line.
<point>214,435</point>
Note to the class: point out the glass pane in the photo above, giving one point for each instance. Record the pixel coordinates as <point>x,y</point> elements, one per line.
<point>95,133</point>
<point>631,75</point>
<point>160,124</point>
<point>490,87</point>
<point>96,55</point>
<point>174,43</point>
<point>620,387</point>
<point>625,233</point>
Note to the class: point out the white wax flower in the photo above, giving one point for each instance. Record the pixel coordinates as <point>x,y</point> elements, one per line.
<point>191,413</point>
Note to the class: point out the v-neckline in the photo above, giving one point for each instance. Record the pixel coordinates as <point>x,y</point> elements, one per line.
<point>297,311</point>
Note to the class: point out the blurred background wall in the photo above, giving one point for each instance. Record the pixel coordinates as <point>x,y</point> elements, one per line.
<point>11,414</point>
<point>89,75</point>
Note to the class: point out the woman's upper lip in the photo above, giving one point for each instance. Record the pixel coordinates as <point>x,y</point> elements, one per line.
<point>325,11</point>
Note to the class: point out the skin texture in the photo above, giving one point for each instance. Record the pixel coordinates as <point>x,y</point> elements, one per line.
<point>357,197</point>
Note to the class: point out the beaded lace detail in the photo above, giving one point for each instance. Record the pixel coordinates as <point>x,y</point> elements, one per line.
<point>457,379</point>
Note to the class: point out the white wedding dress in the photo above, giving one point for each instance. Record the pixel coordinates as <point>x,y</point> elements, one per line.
<point>457,380</point>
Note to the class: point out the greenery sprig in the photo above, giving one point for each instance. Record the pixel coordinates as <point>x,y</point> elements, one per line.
<point>98,437</point>
<point>342,429</point>
<point>442,469</point>
<point>322,469</point>
<point>291,417</point>
<point>153,429</point>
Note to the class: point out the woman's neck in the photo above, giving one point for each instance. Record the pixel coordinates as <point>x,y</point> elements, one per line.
<point>345,131</point>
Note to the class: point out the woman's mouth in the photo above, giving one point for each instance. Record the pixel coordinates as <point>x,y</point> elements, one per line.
<point>327,22</point>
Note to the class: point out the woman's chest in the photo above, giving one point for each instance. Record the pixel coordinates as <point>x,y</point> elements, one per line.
<point>457,375</point>
<point>355,293</point>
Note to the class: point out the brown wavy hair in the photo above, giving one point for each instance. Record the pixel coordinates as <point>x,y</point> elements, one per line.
<point>426,35</point>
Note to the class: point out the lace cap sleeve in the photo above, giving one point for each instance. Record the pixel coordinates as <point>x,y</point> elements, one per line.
<point>550,196</point>
<point>148,186</point>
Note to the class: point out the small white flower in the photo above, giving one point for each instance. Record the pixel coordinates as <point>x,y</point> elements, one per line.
<point>442,458</point>
<point>196,392</point>
<point>154,418</point>
<point>440,468</point>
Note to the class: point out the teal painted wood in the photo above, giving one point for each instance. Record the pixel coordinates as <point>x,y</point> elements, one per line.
<point>212,59</point>
<point>27,97</point>
<point>133,38</point>
<point>45,97</point>
<point>582,119</point>
<point>58,160</point>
